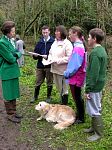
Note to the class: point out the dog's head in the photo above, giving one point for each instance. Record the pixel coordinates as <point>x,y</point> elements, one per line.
<point>42,107</point>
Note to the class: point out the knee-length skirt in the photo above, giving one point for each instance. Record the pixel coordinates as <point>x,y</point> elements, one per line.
<point>10,89</point>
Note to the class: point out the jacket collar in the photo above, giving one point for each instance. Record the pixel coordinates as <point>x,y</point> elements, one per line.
<point>49,40</point>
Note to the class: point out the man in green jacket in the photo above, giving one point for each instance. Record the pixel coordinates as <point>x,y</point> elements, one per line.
<point>95,81</point>
<point>9,70</point>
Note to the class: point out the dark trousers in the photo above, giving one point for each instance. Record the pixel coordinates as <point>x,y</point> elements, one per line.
<point>41,74</point>
<point>76,94</point>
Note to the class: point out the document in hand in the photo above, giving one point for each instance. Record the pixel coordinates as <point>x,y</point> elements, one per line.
<point>48,61</point>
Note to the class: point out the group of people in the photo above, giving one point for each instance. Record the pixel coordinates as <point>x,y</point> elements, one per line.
<point>64,62</point>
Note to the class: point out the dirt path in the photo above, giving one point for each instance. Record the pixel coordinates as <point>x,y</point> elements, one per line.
<point>9,132</point>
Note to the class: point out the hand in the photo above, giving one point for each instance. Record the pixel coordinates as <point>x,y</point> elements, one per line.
<point>15,55</point>
<point>87,96</point>
<point>66,74</point>
<point>58,60</point>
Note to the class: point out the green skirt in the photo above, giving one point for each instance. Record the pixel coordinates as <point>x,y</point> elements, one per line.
<point>10,89</point>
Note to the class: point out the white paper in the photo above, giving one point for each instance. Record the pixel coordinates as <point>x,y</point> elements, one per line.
<point>48,61</point>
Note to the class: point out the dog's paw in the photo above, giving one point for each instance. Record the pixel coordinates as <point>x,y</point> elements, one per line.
<point>49,119</point>
<point>59,127</point>
<point>40,118</point>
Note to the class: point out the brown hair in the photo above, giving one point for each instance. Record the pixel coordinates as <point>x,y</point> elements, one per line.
<point>7,26</point>
<point>45,27</point>
<point>79,34</point>
<point>76,29</point>
<point>62,30</point>
<point>98,34</point>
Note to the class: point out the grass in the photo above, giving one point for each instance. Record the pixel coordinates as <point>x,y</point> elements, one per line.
<point>41,135</point>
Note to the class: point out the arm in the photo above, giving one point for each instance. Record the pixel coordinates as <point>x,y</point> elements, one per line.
<point>49,57</point>
<point>92,73</point>
<point>6,54</point>
<point>36,50</point>
<point>17,54</point>
<point>73,65</point>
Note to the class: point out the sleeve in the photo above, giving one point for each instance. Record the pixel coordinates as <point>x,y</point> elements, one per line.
<point>73,65</point>
<point>36,50</point>
<point>6,54</point>
<point>92,73</point>
<point>17,54</point>
<point>49,57</point>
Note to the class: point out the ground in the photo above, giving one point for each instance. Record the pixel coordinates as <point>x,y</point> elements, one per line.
<point>9,132</point>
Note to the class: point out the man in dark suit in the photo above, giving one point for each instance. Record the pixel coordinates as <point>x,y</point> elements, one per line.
<point>42,72</point>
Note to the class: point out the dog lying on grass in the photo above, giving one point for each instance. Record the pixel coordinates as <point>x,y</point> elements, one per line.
<point>62,114</point>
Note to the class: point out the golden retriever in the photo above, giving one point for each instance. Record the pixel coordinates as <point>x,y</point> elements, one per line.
<point>62,114</point>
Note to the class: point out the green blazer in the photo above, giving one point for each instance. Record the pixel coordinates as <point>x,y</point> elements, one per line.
<point>9,68</point>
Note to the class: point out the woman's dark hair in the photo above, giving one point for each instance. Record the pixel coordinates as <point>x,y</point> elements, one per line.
<point>62,30</point>
<point>7,26</point>
<point>98,34</point>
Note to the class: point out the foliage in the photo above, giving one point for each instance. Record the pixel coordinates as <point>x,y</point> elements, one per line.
<point>85,13</point>
<point>2,17</point>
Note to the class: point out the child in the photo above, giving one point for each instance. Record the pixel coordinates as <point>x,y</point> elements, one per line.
<point>95,80</point>
<point>75,72</point>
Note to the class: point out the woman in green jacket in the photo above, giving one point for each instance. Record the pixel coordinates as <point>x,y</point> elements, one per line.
<point>9,70</point>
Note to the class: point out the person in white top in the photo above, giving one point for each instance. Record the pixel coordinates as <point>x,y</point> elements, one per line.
<point>59,54</point>
<point>20,47</point>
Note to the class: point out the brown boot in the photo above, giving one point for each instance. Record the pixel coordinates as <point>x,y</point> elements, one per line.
<point>14,108</point>
<point>10,112</point>
<point>13,118</point>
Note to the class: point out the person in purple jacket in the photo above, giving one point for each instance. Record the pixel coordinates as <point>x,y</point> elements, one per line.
<point>76,72</point>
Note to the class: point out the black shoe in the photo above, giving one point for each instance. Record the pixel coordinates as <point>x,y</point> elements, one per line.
<point>78,121</point>
<point>65,99</point>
